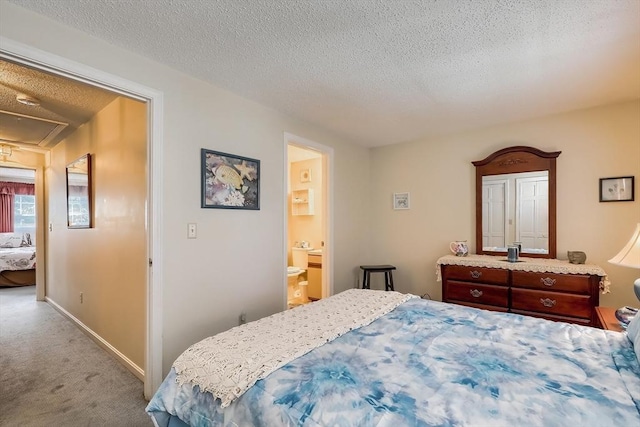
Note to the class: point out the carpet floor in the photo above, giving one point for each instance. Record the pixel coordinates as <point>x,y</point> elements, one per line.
<point>52,374</point>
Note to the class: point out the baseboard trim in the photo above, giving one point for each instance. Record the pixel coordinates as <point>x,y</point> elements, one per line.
<point>135,369</point>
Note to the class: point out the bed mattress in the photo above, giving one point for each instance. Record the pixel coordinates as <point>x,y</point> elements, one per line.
<point>428,363</point>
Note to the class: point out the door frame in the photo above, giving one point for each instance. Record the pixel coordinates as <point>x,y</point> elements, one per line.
<point>45,61</point>
<point>327,214</point>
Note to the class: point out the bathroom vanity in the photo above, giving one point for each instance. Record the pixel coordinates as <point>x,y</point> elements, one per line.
<point>314,275</point>
<point>548,288</point>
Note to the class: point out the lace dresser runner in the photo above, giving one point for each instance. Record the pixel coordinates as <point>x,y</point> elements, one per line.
<point>228,364</point>
<point>538,265</point>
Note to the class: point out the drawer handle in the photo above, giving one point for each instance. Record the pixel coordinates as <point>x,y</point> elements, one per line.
<point>475,274</point>
<point>548,281</point>
<point>475,293</point>
<point>548,302</point>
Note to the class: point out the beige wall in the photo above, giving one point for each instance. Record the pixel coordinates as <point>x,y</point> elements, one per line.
<point>306,227</point>
<point>237,263</point>
<point>595,143</point>
<point>106,263</point>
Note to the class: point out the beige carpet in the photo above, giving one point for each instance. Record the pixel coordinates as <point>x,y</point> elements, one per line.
<point>52,374</point>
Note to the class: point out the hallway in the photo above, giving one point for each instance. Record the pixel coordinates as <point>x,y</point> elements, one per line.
<point>51,373</point>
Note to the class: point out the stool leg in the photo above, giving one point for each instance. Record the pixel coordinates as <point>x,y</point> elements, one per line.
<point>364,279</point>
<point>390,283</point>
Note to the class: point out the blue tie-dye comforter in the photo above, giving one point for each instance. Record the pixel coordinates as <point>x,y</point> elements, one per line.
<point>434,364</point>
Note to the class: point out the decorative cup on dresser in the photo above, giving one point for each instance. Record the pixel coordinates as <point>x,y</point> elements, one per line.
<point>459,248</point>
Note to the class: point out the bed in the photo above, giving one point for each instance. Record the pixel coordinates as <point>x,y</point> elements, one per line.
<point>414,362</point>
<point>17,260</point>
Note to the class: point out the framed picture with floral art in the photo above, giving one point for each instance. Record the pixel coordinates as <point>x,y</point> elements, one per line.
<point>229,181</point>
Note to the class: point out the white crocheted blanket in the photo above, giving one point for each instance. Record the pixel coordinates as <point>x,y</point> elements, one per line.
<point>229,363</point>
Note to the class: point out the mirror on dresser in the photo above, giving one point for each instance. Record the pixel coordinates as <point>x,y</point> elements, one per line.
<point>516,202</point>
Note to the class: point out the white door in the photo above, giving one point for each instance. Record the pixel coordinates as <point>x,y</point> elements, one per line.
<point>494,208</point>
<point>532,199</point>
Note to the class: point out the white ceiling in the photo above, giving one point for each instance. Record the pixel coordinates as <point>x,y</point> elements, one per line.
<point>385,71</point>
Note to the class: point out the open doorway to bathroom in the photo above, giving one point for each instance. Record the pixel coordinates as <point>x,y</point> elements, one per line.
<point>308,221</point>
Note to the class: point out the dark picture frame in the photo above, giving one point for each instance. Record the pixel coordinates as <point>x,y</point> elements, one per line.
<point>229,181</point>
<point>79,203</point>
<point>617,189</point>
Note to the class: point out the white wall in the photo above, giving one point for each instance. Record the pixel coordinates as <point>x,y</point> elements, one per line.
<point>237,262</point>
<point>595,143</point>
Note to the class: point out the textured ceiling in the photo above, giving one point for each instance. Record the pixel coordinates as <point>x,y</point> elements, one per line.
<point>64,105</point>
<point>385,71</point>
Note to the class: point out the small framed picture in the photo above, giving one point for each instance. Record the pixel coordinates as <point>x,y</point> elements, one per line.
<point>400,201</point>
<point>305,175</point>
<point>618,189</point>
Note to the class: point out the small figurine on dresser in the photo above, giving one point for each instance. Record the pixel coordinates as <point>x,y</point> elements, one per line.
<point>576,257</point>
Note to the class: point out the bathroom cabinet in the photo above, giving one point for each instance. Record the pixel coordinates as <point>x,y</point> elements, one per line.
<point>314,276</point>
<point>302,202</point>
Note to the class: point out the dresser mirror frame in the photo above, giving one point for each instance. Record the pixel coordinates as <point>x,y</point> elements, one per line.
<point>518,159</point>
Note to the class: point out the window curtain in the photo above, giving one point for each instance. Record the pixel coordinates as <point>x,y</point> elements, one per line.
<point>8,190</point>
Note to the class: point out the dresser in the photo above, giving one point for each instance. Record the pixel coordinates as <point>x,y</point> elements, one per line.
<point>547,288</point>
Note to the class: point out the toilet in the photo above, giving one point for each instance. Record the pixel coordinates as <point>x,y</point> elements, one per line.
<point>300,257</point>
<point>300,261</point>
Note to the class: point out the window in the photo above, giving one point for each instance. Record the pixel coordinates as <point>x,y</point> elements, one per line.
<point>24,214</point>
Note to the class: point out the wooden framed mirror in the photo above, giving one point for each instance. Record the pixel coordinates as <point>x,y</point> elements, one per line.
<point>516,202</point>
<point>79,213</point>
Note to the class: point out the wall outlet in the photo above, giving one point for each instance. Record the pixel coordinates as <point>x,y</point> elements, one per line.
<point>243,318</point>
<point>81,297</point>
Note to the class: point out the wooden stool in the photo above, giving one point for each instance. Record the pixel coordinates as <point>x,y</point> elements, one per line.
<point>386,269</point>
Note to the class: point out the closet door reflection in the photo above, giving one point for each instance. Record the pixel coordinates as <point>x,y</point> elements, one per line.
<point>494,209</point>
<point>532,226</point>
<point>515,208</point>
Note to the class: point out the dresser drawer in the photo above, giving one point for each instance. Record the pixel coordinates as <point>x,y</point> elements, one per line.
<point>558,303</point>
<point>477,293</point>
<point>476,274</point>
<point>575,283</point>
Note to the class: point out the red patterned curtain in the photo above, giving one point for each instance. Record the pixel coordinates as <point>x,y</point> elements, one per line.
<point>7,192</point>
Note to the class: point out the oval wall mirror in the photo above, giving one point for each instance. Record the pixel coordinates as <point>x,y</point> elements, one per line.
<point>516,202</point>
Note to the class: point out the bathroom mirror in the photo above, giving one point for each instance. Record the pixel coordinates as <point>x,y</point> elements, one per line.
<point>516,202</point>
<point>79,193</point>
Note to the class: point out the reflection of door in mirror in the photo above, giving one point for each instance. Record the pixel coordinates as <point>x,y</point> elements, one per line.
<point>515,209</point>
<point>516,202</point>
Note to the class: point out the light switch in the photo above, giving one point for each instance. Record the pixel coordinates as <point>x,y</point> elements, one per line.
<point>191,231</point>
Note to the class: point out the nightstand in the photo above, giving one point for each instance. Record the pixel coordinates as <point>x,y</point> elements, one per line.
<point>607,319</point>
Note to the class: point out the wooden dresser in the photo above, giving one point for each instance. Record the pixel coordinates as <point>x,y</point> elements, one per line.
<point>563,292</point>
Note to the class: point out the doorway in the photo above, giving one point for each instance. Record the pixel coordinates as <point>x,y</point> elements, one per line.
<point>46,62</point>
<point>308,221</point>
<point>17,224</point>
